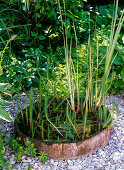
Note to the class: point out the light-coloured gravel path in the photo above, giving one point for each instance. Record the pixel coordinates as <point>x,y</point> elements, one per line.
<point>110,157</point>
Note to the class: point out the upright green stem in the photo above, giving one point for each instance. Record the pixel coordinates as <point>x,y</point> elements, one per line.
<point>110,50</point>
<point>31,108</point>
<point>46,114</point>
<point>77,83</point>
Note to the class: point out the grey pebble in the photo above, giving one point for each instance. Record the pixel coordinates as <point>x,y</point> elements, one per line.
<point>54,168</point>
<point>51,161</point>
<point>73,167</point>
<point>47,168</point>
<point>111,161</point>
<point>87,169</point>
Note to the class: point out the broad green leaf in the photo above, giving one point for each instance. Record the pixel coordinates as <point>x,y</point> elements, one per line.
<point>29,81</point>
<point>22,70</point>
<point>13,67</point>
<point>38,15</point>
<point>36,79</point>
<point>27,64</point>
<point>1,71</point>
<point>41,47</point>
<point>102,10</point>
<point>33,34</point>
<point>50,14</point>
<point>20,77</point>
<point>4,115</point>
<point>118,60</point>
<point>109,13</point>
<point>3,86</point>
<point>7,92</point>
<point>41,37</point>
<point>37,52</point>
<point>72,15</point>
<point>4,103</point>
<point>38,25</point>
<point>119,83</point>
<point>54,13</point>
<point>103,49</point>
<point>101,20</point>
<point>122,74</point>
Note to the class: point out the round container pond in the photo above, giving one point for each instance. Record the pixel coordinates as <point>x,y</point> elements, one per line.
<point>69,150</point>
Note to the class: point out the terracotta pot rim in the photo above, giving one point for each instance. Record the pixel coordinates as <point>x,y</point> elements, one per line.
<point>70,150</point>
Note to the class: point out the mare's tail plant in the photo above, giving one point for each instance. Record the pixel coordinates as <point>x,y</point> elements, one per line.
<point>91,102</point>
<point>71,74</point>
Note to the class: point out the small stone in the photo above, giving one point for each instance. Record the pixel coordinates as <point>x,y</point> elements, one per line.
<point>111,161</point>
<point>70,167</point>
<point>11,159</point>
<point>54,168</point>
<point>79,167</point>
<point>23,94</point>
<point>47,168</point>
<point>101,168</point>
<point>116,156</point>
<point>122,158</point>
<point>102,153</point>
<point>64,165</point>
<point>23,157</point>
<point>7,154</point>
<point>95,159</point>
<point>22,167</point>
<point>79,161</point>
<point>121,109</point>
<point>55,163</point>
<point>107,168</point>
<point>25,161</point>
<point>69,162</point>
<point>39,164</point>
<point>87,168</point>
<point>52,161</point>
<point>76,163</point>
<point>29,160</point>
<point>36,165</point>
<point>12,162</point>
<point>24,164</point>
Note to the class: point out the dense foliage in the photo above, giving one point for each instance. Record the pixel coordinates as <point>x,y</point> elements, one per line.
<point>38,28</point>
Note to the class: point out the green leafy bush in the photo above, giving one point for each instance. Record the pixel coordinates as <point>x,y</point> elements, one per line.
<point>3,164</point>
<point>19,150</point>
<point>14,145</point>
<point>43,157</point>
<point>30,149</point>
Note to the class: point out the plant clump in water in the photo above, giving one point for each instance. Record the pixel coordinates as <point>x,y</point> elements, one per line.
<point>57,122</point>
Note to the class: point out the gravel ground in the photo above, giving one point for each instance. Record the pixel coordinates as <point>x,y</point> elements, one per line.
<point>110,157</point>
